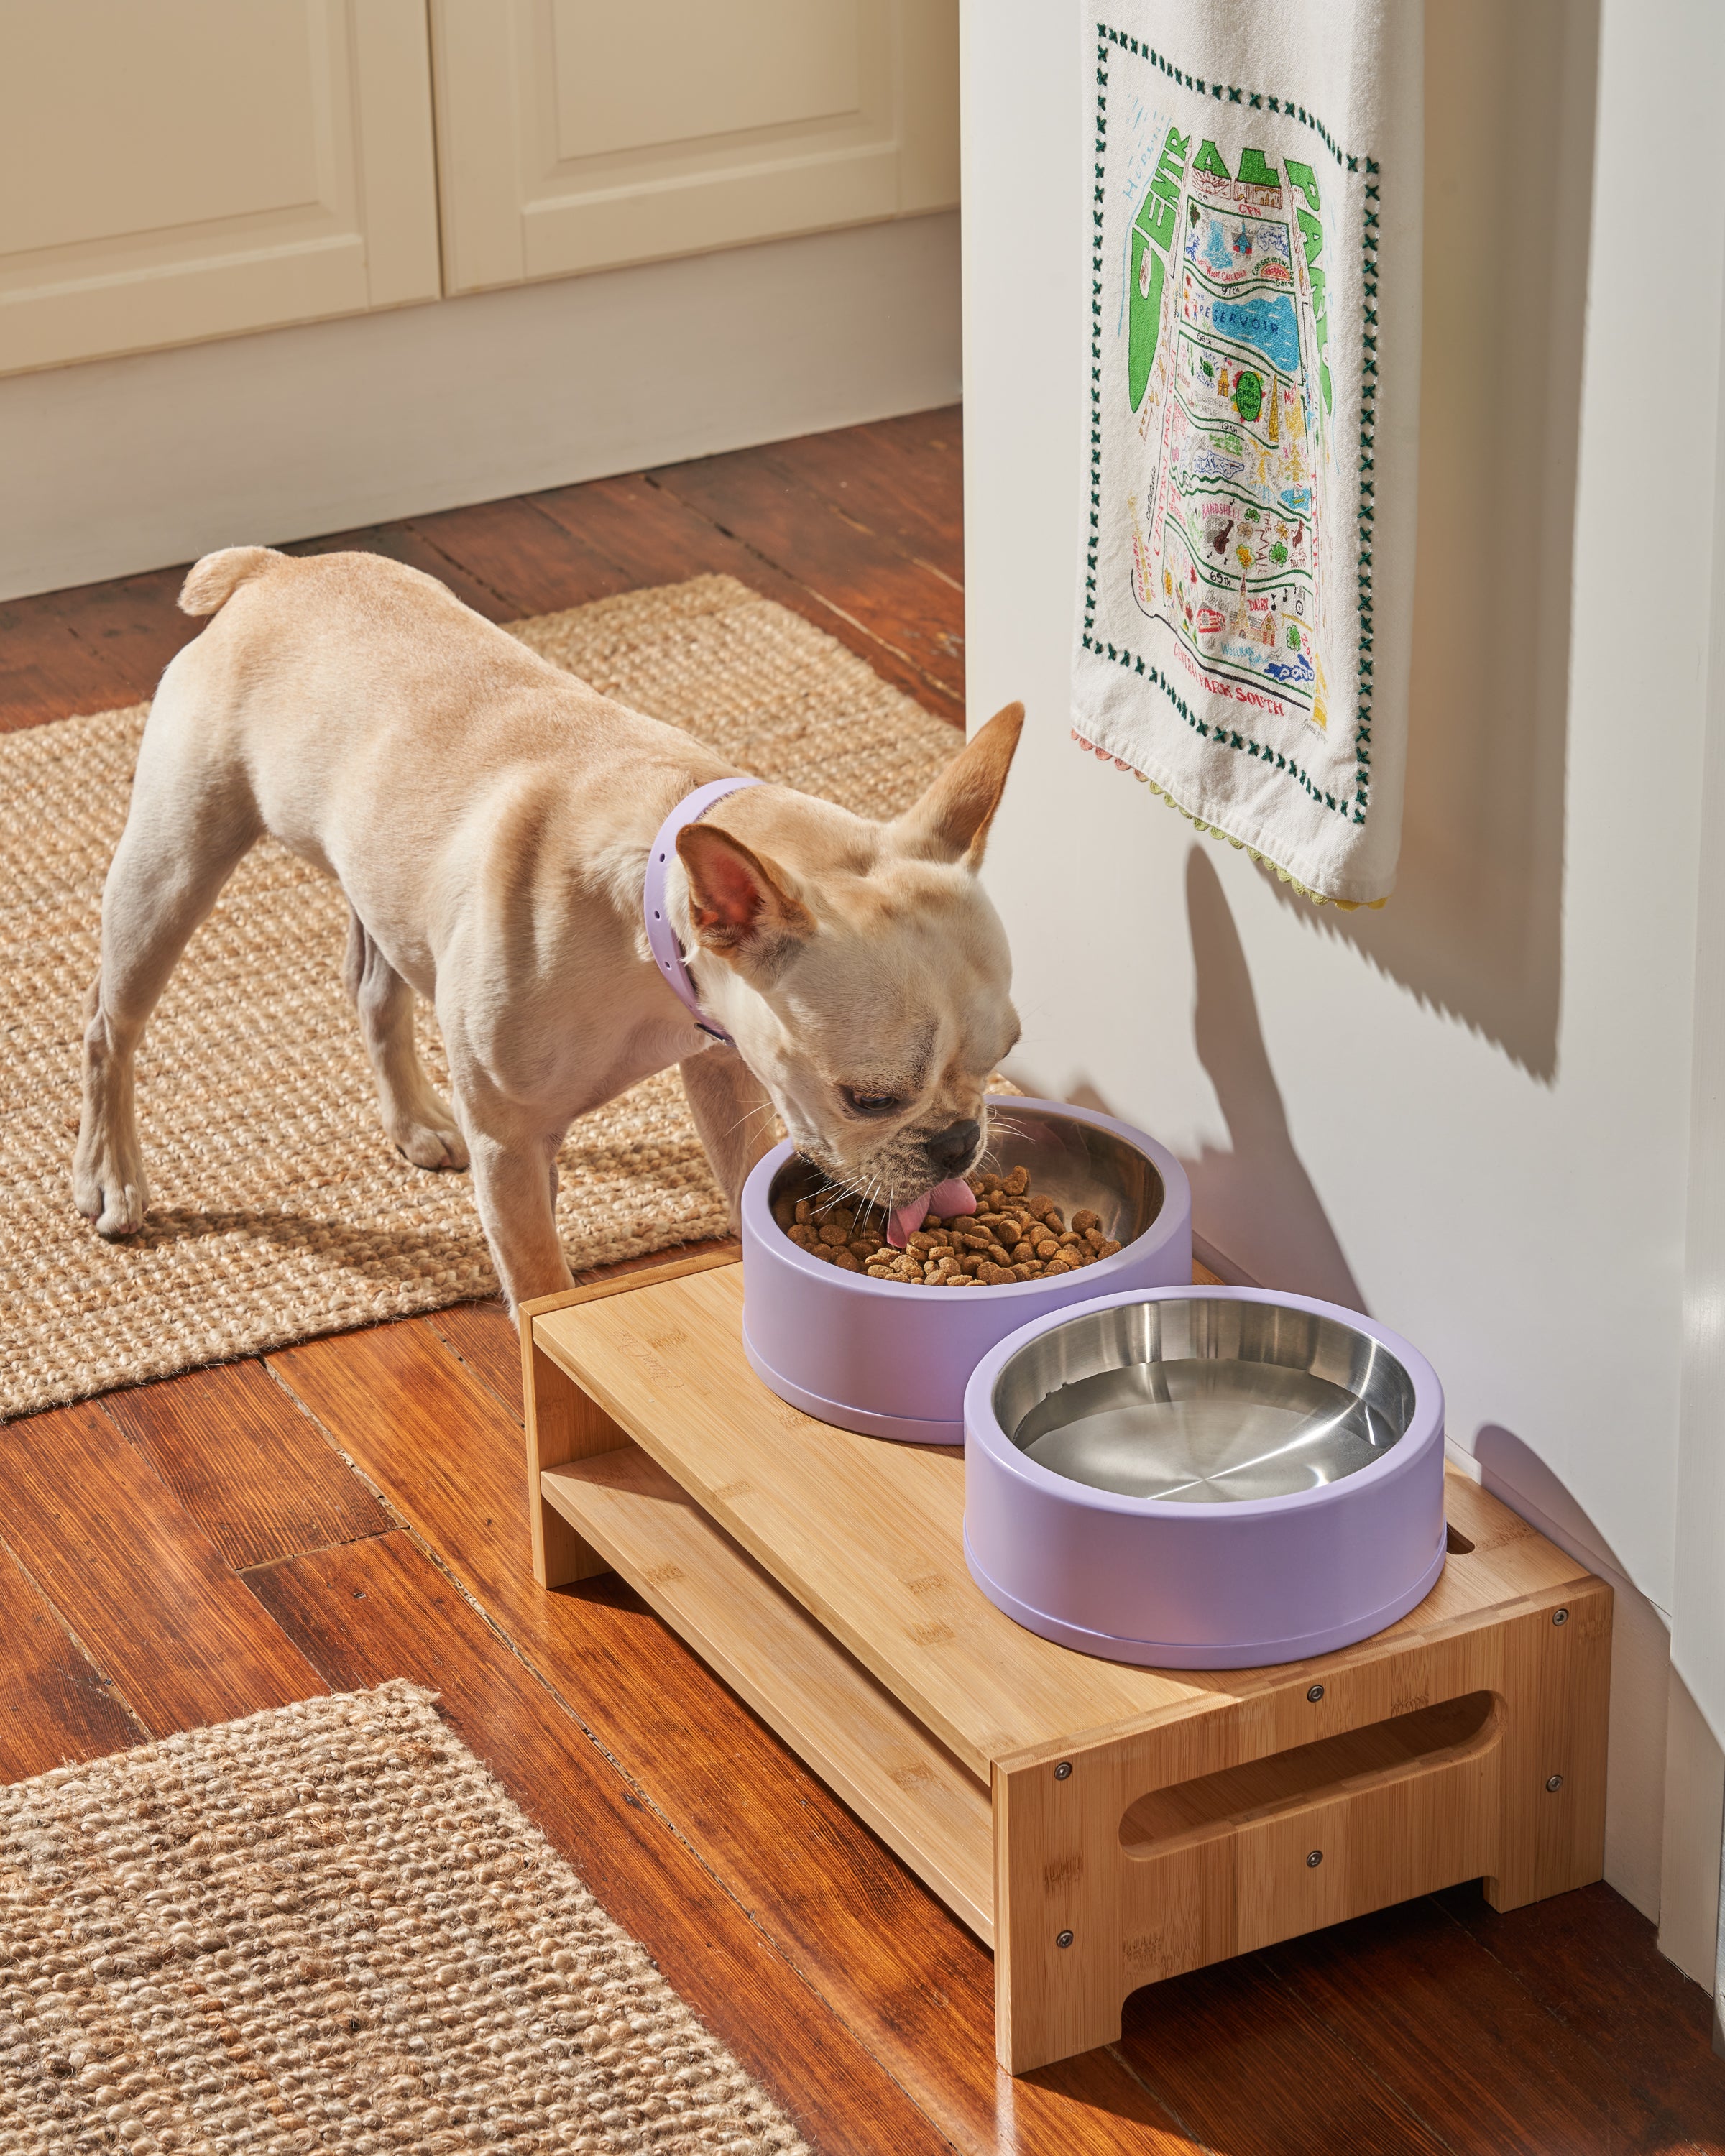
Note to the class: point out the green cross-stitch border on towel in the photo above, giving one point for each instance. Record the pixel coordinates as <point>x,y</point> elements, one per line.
<point>1357,805</point>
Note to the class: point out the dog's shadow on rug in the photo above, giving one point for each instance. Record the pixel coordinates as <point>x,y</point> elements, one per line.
<point>387,1256</point>
<point>392,1253</point>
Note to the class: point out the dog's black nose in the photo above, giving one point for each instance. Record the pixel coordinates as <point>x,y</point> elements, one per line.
<point>951,1148</point>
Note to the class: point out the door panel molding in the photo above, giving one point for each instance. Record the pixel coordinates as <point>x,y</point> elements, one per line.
<point>811,114</point>
<point>151,112</point>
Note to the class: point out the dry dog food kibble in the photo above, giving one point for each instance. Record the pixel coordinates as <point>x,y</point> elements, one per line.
<point>1014,1235</point>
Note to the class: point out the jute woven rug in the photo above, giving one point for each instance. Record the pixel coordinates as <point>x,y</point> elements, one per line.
<point>328,1928</point>
<point>280,1209</point>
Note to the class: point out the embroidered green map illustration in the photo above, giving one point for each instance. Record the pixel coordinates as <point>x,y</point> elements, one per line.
<point>1225,372</point>
<point>1232,555</point>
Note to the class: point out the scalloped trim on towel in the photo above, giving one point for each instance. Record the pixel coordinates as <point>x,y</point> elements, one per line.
<point>1215,831</point>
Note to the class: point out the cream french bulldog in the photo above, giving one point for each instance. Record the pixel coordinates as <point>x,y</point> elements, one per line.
<point>489,819</point>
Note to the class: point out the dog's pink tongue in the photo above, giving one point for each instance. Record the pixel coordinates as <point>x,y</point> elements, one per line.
<point>946,1198</point>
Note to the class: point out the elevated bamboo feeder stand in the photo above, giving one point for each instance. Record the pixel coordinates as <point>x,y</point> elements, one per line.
<point>1101,1827</point>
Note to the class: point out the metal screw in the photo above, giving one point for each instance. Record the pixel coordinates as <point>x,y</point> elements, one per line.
<point>1560,1616</point>
<point>1314,1859</point>
<point>1554,1782</point>
<point>1063,1772</point>
<point>1063,1938</point>
<point>1315,1694</point>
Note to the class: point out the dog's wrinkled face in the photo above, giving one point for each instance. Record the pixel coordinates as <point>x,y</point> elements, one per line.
<point>880,1036</point>
<point>868,988</point>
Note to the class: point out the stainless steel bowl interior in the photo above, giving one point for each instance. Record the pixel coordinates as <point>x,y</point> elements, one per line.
<point>1203,1401</point>
<point>1072,1162</point>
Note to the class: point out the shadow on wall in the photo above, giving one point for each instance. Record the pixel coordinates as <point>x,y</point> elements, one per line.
<point>1474,925</point>
<point>1253,1206</point>
<point>1255,1201</point>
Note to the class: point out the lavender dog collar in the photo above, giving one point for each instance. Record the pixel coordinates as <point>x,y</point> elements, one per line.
<point>661,936</point>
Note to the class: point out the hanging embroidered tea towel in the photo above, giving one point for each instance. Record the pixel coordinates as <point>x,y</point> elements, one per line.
<point>1245,605</point>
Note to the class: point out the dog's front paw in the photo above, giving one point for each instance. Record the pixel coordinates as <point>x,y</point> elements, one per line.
<point>112,1199</point>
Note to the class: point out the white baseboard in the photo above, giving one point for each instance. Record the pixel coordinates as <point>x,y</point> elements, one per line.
<point>1689,1905</point>
<point>124,465</point>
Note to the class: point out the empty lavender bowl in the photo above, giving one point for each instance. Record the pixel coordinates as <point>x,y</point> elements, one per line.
<point>891,1360</point>
<point>1204,1478</point>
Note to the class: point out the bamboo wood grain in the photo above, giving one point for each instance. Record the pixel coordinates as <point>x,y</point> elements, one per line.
<point>1477,1805</point>
<point>856,1737</point>
<point>869,1537</point>
<point>1145,1822</point>
<point>565,1423</point>
<point>1188,1813</point>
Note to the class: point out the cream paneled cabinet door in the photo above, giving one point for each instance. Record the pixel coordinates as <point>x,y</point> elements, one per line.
<point>576,134</point>
<point>177,169</point>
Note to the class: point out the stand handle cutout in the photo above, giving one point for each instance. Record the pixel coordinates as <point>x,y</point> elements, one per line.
<point>1359,1759</point>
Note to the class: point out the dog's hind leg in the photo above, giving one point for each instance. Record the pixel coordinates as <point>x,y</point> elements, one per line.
<point>192,818</point>
<point>733,1113</point>
<point>419,1121</point>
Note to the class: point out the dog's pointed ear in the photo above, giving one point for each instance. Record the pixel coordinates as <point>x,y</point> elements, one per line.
<point>951,822</point>
<point>739,905</point>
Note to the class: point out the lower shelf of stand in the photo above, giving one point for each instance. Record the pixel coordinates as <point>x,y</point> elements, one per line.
<point>856,1736</point>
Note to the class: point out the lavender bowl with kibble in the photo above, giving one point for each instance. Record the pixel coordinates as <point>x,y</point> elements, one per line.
<point>858,1331</point>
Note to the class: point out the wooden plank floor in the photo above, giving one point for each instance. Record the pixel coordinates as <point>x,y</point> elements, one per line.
<point>355,1509</point>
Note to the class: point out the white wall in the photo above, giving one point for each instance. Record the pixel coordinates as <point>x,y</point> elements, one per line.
<point>1470,1113</point>
<point>124,465</point>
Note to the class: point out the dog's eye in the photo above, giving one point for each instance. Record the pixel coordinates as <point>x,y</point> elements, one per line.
<point>870,1104</point>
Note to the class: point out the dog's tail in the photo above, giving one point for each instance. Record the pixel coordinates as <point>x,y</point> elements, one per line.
<point>213,581</point>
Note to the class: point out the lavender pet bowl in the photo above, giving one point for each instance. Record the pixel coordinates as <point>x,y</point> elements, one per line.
<point>1203,1478</point>
<point>891,1360</point>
